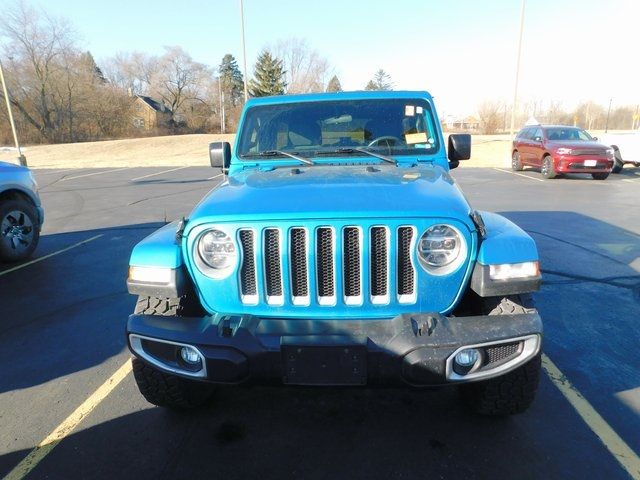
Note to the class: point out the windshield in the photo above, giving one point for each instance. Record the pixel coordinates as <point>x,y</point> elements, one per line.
<point>388,126</point>
<point>568,133</point>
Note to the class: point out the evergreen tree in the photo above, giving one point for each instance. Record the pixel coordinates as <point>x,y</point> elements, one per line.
<point>268,76</point>
<point>91,66</point>
<point>381,81</point>
<point>334,85</point>
<point>231,79</point>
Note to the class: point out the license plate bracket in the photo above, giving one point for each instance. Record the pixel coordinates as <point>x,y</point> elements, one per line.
<point>323,361</point>
<point>590,163</point>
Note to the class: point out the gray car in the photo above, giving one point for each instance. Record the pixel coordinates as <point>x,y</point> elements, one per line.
<point>21,214</point>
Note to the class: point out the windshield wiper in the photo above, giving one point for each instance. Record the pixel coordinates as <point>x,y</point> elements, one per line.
<point>364,150</point>
<point>273,153</point>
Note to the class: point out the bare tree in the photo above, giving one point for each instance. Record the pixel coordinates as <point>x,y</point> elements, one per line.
<point>490,113</point>
<point>306,70</point>
<point>180,82</point>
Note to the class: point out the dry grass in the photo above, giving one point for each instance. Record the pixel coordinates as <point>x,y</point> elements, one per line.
<point>168,151</point>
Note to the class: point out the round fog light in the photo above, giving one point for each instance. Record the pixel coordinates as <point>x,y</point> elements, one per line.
<point>190,355</point>
<point>467,358</point>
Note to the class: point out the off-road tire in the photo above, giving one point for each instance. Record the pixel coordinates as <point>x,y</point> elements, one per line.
<point>600,176</point>
<point>617,161</point>
<point>516,162</point>
<point>515,391</point>
<point>26,208</point>
<point>547,169</point>
<point>160,388</point>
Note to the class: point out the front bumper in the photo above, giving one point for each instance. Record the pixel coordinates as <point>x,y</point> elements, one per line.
<point>410,349</point>
<point>576,164</point>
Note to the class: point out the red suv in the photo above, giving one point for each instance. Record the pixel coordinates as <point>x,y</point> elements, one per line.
<point>557,149</point>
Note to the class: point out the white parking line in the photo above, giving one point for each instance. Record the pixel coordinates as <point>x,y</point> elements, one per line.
<point>4,272</point>
<point>215,176</point>
<point>52,170</point>
<point>630,180</point>
<point>626,457</point>
<point>92,174</point>
<point>59,433</point>
<point>519,174</point>
<point>157,173</point>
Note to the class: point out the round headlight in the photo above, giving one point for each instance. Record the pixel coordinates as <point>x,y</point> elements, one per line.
<point>441,246</point>
<point>217,250</point>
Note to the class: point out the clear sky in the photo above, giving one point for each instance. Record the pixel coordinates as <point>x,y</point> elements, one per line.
<point>462,51</point>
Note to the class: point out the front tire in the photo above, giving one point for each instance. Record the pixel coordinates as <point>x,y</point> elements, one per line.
<point>19,230</point>
<point>160,388</point>
<point>515,391</point>
<point>600,176</point>
<point>547,169</point>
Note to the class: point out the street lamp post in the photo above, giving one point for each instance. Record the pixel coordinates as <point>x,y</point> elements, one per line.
<point>244,52</point>
<point>515,89</point>
<point>606,125</point>
<point>21,158</point>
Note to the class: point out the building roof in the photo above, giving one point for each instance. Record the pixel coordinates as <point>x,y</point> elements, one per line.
<point>157,106</point>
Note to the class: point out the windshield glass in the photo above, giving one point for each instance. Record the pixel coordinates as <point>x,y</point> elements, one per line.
<point>568,133</point>
<point>389,126</point>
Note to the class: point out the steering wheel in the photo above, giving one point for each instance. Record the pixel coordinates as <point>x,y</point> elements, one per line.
<point>389,139</point>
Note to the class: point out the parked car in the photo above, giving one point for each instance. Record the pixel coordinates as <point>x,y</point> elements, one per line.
<point>21,213</point>
<point>626,148</point>
<point>558,149</point>
<point>339,251</point>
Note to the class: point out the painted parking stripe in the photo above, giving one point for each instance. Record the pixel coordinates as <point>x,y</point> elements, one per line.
<point>69,424</point>
<point>635,180</point>
<point>4,272</point>
<point>627,458</point>
<point>215,176</point>
<point>519,174</point>
<point>93,173</point>
<point>51,170</point>
<point>157,173</point>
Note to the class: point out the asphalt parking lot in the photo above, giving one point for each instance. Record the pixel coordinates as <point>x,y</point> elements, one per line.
<point>62,337</point>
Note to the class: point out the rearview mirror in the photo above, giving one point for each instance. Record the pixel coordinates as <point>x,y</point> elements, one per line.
<point>459,148</point>
<point>220,155</point>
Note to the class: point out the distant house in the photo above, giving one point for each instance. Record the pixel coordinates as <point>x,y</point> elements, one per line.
<point>458,123</point>
<point>149,114</point>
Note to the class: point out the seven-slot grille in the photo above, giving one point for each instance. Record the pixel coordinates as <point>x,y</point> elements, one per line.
<point>351,265</point>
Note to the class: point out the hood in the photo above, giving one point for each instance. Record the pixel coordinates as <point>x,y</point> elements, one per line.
<point>579,145</point>
<point>334,192</point>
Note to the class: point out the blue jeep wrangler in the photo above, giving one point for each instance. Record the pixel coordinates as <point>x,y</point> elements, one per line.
<point>339,251</point>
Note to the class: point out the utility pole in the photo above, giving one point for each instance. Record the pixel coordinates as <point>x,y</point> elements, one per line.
<point>515,89</point>
<point>244,52</point>
<point>221,96</point>
<point>21,158</point>
<point>606,125</point>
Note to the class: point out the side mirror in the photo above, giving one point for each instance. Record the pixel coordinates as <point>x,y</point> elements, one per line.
<point>537,139</point>
<point>459,148</point>
<point>595,139</point>
<point>220,155</point>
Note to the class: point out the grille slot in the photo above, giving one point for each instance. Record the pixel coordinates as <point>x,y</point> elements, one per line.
<point>499,353</point>
<point>351,262</point>
<point>406,275</point>
<point>378,262</point>
<point>272,269</point>
<point>248,285</point>
<point>298,256</point>
<point>324,262</point>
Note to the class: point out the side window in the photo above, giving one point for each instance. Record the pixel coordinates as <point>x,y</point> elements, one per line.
<point>537,134</point>
<point>524,134</point>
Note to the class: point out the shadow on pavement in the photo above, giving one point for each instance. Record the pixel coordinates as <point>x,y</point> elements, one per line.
<point>67,312</point>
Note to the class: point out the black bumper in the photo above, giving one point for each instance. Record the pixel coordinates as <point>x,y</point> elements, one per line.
<point>414,349</point>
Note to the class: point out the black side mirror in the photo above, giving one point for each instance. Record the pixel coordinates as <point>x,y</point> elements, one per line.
<point>537,139</point>
<point>595,139</point>
<point>459,148</point>
<point>220,155</point>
